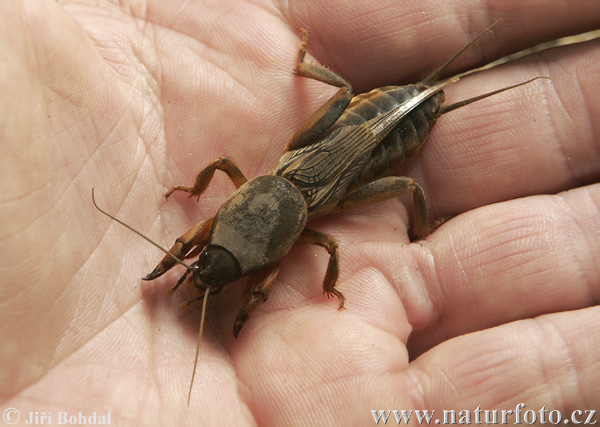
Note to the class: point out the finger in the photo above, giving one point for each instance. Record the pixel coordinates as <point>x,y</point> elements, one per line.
<point>538,138</point>
<point>506,262</point>
<point>378,43</point>
<point>549,361</point>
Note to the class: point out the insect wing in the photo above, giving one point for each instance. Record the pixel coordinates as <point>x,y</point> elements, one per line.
<point>323,170</point>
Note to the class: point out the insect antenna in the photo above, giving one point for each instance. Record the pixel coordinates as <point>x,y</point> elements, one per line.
<point>139,234</point>
<point>189,268</point>
<point>447,108</point>
<point>202,316</point>
<point>432,78</point>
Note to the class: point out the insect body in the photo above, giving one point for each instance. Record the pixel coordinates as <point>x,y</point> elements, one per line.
<point>346,154</point>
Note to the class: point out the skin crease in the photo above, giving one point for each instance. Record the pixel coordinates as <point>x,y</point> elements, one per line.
<point>496,308</point>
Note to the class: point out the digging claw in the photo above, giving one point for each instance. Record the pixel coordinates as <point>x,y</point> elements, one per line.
<point>158,271</point>
<point>237,326</point>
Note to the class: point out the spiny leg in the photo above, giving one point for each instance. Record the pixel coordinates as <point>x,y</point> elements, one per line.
<point>331,275</point>
<point>321,120</point>
<point>204,177</point>
<point>260,284</point>
<point>390,187</point>
<point>315,71</point>
<point>197,237</point>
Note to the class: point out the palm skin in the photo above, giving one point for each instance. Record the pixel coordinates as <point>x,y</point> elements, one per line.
<point>495,308</point>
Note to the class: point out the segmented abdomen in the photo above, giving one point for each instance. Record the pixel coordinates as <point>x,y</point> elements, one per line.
<point>405,141</point>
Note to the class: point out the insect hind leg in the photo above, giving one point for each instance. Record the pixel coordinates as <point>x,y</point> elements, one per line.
<point>322,119</point>
<point>388,188</point>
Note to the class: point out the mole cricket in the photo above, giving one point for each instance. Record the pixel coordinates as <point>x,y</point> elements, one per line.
<point>347,154</point>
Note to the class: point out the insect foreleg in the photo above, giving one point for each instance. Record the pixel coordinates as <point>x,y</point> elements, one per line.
<point>321,120</point>
<point>260,284</point>
<point>388,188</point>
<point>204,177</point>
<point>197,237</point>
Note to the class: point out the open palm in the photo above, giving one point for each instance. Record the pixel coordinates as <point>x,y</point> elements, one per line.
<point>132,99</point>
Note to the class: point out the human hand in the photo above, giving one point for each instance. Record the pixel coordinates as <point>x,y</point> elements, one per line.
<point>133,101</point>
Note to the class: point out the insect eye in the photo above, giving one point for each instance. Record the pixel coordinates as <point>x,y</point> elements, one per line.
<point>204,260</point>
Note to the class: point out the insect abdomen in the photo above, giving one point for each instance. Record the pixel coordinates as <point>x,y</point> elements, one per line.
<point>402,144</point>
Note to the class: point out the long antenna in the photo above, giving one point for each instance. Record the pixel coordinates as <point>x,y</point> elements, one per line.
<point>432,78</point>
<point>447,108</point>
<point>138,233</point>
<point>202,316</point>
<point>206,292</point>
